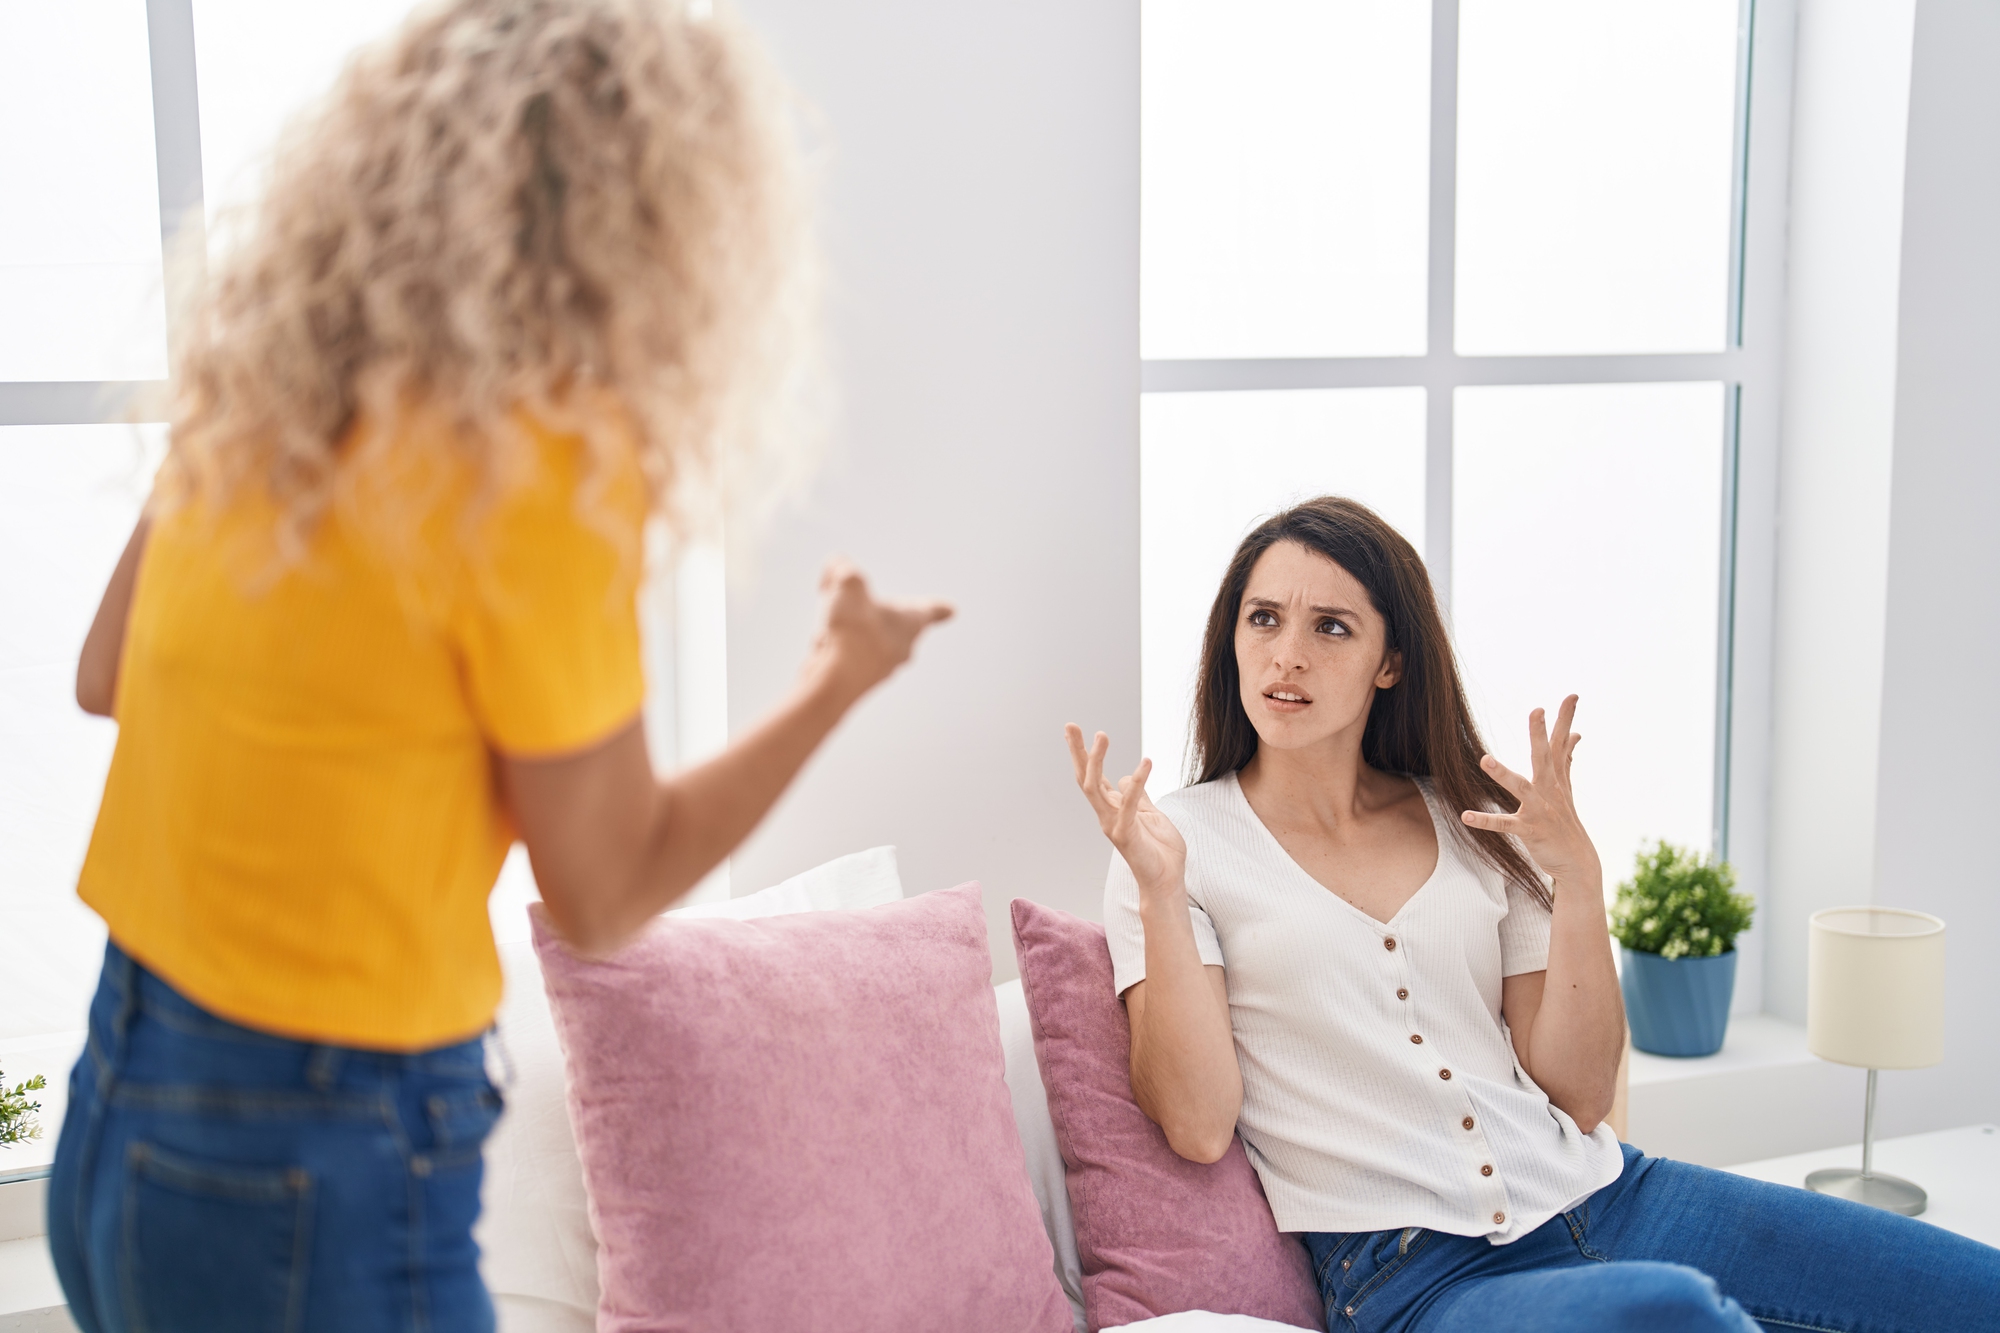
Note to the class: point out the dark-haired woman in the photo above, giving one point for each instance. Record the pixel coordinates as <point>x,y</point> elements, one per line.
<point>1380,956</point>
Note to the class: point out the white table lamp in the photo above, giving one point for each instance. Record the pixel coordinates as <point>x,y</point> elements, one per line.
<point>1874,999</point>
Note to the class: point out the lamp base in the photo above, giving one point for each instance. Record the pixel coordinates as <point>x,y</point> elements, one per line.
<point>1893,1193</point>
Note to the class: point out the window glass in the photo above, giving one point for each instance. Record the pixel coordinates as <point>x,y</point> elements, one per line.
<point>68,498</point>
<point>1284,177</point>
<point>1212,465</point>
<point>80,211</point>
<point>1595,144</point>
<point>1586,538</point>
<point>260,64</point>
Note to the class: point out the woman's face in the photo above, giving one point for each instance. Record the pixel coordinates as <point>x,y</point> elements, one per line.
<point>1311,649</point>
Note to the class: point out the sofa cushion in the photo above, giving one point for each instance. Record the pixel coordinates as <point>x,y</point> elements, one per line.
<point>801,1122</point>
<point>1156,1234</point>
<point>537,1253</point>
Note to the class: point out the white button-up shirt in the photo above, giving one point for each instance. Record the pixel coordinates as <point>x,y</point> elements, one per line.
<point>1380,1085</point>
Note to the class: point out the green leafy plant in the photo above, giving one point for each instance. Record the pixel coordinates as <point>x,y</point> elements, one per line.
<point>1680,904</point>
<point>17,1113</point>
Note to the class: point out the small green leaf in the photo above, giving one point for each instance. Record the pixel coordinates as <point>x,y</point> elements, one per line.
<point>1680,903</point>
<point>17,1112</point>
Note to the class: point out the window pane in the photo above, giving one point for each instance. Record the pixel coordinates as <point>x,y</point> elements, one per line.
<point>80,212</point>
<point>68,498</point>
<point>1594,151</point>
<point>261,64</point>
<point>1585,544</point>
<point>1284,152</point>
<point>1212,465</point>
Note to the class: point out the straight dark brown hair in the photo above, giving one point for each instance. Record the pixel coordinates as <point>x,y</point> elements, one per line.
<point>1420,726</point>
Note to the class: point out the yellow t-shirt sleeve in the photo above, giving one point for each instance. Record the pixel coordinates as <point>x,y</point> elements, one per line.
<point>548,623</point>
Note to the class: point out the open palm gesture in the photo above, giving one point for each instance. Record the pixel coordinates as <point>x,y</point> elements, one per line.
<point>1147,839</point>
<point>1546,822</point>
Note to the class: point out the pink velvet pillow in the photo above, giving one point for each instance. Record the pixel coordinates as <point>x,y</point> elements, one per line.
<point>1156,1233</point>
<point>800,1122</point>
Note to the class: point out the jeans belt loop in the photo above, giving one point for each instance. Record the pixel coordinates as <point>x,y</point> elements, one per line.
<point>323,1067</point>
<point>127,974</point>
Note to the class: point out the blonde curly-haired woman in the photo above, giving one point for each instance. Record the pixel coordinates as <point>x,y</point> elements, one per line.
<point>529,278</point>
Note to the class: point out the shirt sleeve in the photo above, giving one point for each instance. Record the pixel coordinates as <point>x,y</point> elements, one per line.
<point>1524,933</point>
<point>1126,934</point>
<point>548,622</point>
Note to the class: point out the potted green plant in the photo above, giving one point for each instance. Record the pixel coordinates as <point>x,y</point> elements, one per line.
<point>17,1113</point>
<point>1678,918</point>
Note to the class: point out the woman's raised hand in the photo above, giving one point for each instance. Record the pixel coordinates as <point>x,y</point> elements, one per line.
<point>862,640</point>
<point>1147,839</point>
<point>1547,822</point>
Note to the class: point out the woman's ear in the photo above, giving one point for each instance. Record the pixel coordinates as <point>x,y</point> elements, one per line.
<point>1392,670</point>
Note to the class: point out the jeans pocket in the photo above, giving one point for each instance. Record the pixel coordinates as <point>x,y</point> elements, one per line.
<point>1386,1255</point>
<point>460,1122</point>
<point>211,1247</point>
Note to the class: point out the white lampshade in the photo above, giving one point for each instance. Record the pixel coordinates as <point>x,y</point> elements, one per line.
<point>1875,988</point>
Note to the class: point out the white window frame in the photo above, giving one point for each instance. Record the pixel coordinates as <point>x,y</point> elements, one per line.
<point>177,155</point>
<point>1750,368</point>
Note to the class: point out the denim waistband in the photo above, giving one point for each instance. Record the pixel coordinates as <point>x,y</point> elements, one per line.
<point>143,991</point>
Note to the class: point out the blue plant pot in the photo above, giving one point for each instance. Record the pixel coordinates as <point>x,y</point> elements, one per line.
<point>1678,1006</point>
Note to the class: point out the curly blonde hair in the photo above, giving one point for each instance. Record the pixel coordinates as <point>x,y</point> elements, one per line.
<point>507,207</point>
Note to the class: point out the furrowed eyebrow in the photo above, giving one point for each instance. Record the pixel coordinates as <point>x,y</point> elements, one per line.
<point>1265,603</point>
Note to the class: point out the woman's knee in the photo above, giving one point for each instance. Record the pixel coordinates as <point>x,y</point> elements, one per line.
<point>1673,1298</point>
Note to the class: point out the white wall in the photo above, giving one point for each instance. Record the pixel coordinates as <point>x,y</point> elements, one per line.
<point>1852,91</point>
<point>982,227</point>
<point>1939,782</point>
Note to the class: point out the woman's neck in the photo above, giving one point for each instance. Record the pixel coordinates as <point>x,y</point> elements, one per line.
<point>1328,784</point>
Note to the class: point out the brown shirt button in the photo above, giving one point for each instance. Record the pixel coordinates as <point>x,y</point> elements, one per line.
<point>1444,1073</point>
<point>1498,1218</point>
<point>1416,1040</point>
<point>1467,1122</point>
<point>1402,993</point>
<point>1390,943</point>
<point>1486,1170</point>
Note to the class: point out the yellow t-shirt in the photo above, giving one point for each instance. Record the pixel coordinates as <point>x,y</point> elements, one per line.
<point>301,824</point>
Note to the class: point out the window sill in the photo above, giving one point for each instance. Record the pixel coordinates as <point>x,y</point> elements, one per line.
<point>31,1301</point>
<point>1763,1095</point>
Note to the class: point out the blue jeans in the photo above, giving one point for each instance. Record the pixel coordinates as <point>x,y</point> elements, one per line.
<point>1668,1248</point>
<point>212,1178</point>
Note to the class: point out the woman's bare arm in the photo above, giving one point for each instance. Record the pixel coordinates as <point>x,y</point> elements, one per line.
<point>97,667</point>
<point>613,846</point>
<point>1184,1071</point>
<point>1568,1022</point>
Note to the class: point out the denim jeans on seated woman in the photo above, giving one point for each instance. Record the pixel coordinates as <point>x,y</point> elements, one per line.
<point>1668,1248</point>
<point>213,1178</point>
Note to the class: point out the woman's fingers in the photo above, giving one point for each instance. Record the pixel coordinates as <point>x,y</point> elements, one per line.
<point>1564,715</point>
<point>1073,734</point>
<point>1093,769</point>
<point>1089,765</point>
<point>1131,795</point>
<point>1559,745</point>
<point>1538,745</point>
<point>1506,777</point>
<point>836,572</point>
<point>1491,822</point>
<point>925,611</point>
<point>1117,805</point>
